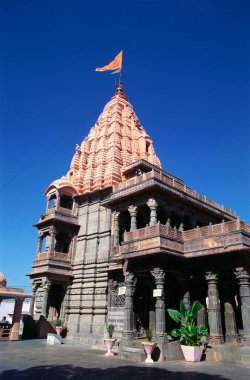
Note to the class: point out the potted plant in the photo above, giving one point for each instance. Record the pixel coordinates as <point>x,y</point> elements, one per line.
<point>110,341</point>
<point>191,335</point>
<point>149,346</point>
<point>59,326</point>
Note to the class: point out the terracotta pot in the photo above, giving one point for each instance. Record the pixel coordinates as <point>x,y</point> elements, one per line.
<point>109,344</point>
<point>192,354</point>
<point>59,330</point>
<point>148,348</point>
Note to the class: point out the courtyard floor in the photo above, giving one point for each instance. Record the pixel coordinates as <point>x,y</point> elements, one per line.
<point>34,359</point>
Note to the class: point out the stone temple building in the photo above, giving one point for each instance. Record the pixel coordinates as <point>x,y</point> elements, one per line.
<point>121,240</point>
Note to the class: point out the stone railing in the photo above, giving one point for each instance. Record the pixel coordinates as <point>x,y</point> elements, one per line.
<point>53,256</point>
<point>226,235</point>
<point>172,182</point>
<point>59,213</point>
<point>216,229</point>
<point>153,231</point>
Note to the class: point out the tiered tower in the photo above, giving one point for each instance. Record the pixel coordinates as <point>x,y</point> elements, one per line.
<point>69,273</point>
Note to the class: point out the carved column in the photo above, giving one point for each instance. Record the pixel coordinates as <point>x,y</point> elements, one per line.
<point>33,299</point>
<point>16,319</point>
<point>133,213</point>
<point>152,204</point>
<point>244,284</point>
<point>128,308</point>
<point>52,240</point>
<point>113,291</point>
<point>214,313</point>
<point>159,276</point>
<point>229,313</point>
<point>46,288</point>
<point>58,200</point>
<point>116,228</point>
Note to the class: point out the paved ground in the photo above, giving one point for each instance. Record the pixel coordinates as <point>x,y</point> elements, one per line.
<point>34,359</point>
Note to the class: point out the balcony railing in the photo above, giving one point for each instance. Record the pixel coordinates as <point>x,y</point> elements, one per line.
<point>170,181</point>
<point>59,213</point>
<point>218,238</point>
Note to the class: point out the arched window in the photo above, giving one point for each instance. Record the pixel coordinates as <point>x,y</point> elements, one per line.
<point>52,201</point>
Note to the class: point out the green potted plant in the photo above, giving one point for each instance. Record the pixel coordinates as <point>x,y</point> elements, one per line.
<point>110,341</point>
<point>148,346</point>
<point>58,325</point>
<point>191,335</point>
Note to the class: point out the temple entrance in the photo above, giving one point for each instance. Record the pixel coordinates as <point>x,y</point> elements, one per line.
<point>144,309</point>
<point>55,300</point>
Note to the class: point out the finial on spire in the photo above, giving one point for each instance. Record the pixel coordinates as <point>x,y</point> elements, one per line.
<point>119,90</point>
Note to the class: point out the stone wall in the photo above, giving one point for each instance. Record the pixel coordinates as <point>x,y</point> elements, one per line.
<point>87,302</point>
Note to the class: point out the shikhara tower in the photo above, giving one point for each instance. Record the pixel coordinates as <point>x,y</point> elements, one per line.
<point>117,226</point>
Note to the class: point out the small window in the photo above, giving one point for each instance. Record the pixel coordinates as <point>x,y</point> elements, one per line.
<point>147,146</point>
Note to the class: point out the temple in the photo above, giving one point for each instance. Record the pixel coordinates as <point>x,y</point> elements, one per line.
<point>121,240</point>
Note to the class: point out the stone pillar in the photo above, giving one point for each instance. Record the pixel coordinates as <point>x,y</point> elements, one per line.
<point>229,312</point>
<point>14,335</point>
<point>160,312</point>
<point>52,240</point>
<point>57,203</point>
<point>39,244</point>
<point>128,308</point>
<point>244,289</point>
<point>152,204</point>
<point>214,313</point>
<point>133,213</point>
<point>46,288</point>
<point>159,276</point>
<point>113,292</point>
<point>32,301</point>
<point>116,228</point>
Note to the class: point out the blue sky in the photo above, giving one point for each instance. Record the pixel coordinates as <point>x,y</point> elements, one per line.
<point>186,72</point>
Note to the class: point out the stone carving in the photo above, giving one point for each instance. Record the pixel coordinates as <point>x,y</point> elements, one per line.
<point>214,313</point>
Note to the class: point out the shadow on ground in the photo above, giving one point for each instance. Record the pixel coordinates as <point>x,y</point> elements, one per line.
<point>121,373</point>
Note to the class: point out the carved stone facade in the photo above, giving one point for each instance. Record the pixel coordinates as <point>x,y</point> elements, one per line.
<point>123,240</point>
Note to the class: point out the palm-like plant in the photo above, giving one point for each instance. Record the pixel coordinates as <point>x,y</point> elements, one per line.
<point>189,332</point>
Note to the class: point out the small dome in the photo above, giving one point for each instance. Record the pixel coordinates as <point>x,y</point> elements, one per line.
<point>3,281</point>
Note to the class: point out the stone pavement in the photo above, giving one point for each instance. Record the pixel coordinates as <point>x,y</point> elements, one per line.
<point>34,359</point>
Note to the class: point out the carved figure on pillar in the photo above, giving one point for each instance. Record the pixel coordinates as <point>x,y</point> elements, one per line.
<point>244,284</point>
<point>130,283</point>
<point>214,313</point>
<point>152,204</point>
<point>133,214</point>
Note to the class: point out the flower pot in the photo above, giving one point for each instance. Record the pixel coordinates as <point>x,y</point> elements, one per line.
<point>192,353</point>
<point>109,342</point>
<point>59,330</point>
<point>148,348</point>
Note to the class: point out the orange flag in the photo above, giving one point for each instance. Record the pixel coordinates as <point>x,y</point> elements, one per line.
<point>115,64</point>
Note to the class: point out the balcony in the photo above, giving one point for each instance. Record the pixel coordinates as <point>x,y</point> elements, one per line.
<point>213,239</point>
<point>61,214</point>
<point>168,182</point>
